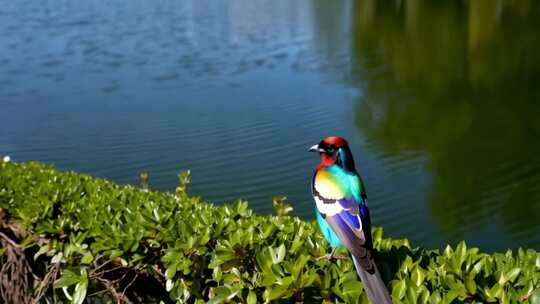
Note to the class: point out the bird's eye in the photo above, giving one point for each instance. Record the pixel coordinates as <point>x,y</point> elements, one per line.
<point>330,149</point>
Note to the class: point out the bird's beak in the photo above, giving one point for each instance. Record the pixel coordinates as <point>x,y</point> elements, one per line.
<point>315,148</point>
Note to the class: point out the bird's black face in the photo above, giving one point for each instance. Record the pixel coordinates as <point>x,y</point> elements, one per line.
<point>322,147</point>
<point>334,151</point>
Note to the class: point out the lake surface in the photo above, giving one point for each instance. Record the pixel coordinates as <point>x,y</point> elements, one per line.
<point>440,101</point>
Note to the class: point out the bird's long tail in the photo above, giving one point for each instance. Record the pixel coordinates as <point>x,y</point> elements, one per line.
<point>373,284</point>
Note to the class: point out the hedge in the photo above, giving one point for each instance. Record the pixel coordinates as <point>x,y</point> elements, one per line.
<point>69,237</point>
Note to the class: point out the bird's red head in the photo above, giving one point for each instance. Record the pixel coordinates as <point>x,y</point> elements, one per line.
<point>336,141</point>
<point>334,150</point>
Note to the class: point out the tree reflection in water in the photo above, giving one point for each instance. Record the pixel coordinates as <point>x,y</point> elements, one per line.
<point>457,81</point>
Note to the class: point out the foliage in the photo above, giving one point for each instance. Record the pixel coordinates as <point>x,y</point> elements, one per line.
<point>280,206</point>
<point>89,239</point>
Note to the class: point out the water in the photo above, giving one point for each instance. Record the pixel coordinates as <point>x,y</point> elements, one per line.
<point>438,99</point>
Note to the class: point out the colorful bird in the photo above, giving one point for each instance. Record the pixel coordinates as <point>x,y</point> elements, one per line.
<point>343,214</point>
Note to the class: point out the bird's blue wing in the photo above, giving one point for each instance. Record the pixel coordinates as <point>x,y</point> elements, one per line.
<point>353,228</point>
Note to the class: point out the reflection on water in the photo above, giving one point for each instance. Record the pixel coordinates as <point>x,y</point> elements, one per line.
<point>458,82</point>
<point>437,98</point>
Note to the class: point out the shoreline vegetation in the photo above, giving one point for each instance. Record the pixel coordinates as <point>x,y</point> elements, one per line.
<point>69,237</point>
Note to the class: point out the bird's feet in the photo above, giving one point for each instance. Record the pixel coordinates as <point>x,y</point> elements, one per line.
<point>331,256</point>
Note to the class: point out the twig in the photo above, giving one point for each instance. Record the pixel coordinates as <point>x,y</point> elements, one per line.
<point>97,274</point>
<point>102,265</point>
<point>130,283</point>
<point>9,240</point>
<point>47,280</point>
<point>97,292</point>
<point>119,298</point>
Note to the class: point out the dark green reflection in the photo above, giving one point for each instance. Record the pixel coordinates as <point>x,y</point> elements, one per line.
<point>458,81</point>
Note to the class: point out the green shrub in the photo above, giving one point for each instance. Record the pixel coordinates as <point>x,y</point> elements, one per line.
<point>70,237</point>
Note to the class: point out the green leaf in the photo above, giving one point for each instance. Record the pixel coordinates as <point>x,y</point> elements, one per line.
<point>461,251</point>
<point>264,260</point>
<point>87,258</point>
<point>470,284</point>
<point>274,292</point>
<point>80,289</point>
<point>377,234</point>
<point>299,265</point>
<point>67,278</point>
<point>286,281</point>
<point>424,296</point>
<point>493,292</point>
<point>513,274</point>
<point>223,294</point>
<point>278,255</point>
<point>218,299</point>
<point>435,297</point>
<point>252,297</point>
<point>43,249</point>
<point>418,276</point>
<point>412,295</point>
<point>171,271</point>
<point>398,290</point>
<point>448,251</point>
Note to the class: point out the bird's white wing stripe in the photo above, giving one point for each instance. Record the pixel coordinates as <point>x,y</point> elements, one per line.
<point>328,209</point>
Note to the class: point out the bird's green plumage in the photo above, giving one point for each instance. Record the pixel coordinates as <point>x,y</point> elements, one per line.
<point>338,183</point>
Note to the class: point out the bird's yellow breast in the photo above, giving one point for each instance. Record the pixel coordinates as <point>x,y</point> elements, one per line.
<point>327,186</point>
